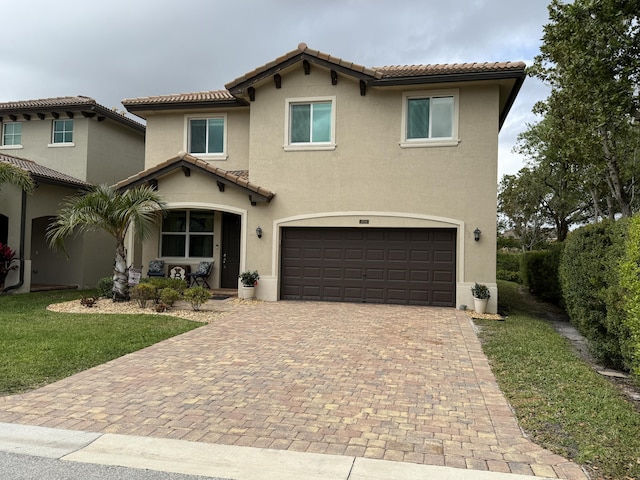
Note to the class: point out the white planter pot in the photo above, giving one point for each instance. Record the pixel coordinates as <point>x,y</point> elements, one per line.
<point>246,293</point>
<point>480,305</point>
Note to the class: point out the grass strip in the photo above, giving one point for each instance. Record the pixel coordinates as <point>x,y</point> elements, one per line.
<point>560,401</point>
<point>38,347</point>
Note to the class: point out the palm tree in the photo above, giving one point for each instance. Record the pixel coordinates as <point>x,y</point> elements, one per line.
<point>9,173</point>
<point>107,209</point>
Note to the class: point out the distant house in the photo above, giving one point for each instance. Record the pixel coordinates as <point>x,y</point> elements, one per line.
<point>337,182</point>
<point>66,144</point>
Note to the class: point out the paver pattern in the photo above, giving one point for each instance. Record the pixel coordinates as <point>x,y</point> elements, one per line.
<point>401,383</point>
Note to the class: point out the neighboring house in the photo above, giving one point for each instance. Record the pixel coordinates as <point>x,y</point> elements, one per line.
<point>66,144</point>
<point>337,182</point>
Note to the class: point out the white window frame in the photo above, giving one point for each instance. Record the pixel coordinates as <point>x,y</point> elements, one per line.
<point>53,132</point>
<point>187,136</point>
<point>12,146</point>
<point>430,142</point>
<point>292,147</point>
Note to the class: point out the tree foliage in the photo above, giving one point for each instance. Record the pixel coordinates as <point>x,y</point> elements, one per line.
<point>114,212</point>
<point>585,152</point>
<point>13,175</point>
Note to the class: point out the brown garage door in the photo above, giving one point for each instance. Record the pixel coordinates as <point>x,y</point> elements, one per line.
<point>377,265</point>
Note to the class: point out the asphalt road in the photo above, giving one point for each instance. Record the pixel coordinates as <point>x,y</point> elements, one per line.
<point>15,466</point>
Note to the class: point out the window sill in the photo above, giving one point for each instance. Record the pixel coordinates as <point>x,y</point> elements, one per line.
<point>58,145</point>
<point>211,156</point>
<point>10,147</point>
<point>430,143</point>
<point>309,147</point>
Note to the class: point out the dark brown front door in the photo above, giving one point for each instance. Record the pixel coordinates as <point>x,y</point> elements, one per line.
<point>414,266</point>
<point>230,254</point>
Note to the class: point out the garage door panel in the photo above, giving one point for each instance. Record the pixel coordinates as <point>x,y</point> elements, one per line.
<point>407,266</point>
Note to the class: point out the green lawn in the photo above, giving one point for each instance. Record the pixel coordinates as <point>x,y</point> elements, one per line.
<point>39,347</point>
<point>560,401</point>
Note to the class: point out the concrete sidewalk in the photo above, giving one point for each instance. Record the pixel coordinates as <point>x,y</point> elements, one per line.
<point>226,461</point>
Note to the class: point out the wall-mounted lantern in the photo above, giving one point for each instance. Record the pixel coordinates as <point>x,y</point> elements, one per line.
<point>259,232</point>
<point>476,234</point>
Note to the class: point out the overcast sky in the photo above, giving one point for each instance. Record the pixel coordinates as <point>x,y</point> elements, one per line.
<point>116,49</point>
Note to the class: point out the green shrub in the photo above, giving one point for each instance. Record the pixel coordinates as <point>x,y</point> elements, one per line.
<point>196,296</point>
<point>589,273</point>
<point>539,272</point>
<point>142,293</point>
<point>630,285</point>
<point>104,288</point>
<point>169,296</point>
<point>508,267</point>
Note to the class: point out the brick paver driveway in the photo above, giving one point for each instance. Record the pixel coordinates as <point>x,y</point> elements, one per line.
<point>409,384</point>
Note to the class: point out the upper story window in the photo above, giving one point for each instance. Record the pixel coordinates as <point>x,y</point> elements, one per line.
<point>12,134</point>
<point>207,136</point>
<point>62,131</point>
<point>187,233</point>
<point>430,118</point>
<point>310,124</point>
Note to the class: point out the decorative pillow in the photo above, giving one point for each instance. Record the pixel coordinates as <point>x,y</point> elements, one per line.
<point>156,266</point>
<point>203,268</point>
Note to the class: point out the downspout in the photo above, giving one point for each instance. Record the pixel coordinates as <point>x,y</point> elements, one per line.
<point>23,222</point>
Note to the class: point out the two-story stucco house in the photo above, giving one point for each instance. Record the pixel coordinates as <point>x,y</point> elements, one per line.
<point>337,182</point>
<point>66,144</point>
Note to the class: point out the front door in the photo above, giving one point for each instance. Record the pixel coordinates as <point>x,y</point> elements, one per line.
<point>230,250</point>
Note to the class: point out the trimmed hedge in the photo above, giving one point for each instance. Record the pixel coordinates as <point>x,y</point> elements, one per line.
<point>508,267</point>
<point>596,272</point>
<point>630,284</point>
<point>539,272</point>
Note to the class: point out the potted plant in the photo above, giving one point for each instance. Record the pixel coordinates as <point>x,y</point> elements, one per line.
<point>481,296</point>
<point>249,281</point>
<point>7,257</point>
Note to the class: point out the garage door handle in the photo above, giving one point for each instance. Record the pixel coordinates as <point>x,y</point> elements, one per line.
<point>364,274</point>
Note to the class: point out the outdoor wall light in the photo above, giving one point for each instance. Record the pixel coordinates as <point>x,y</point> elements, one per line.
<point>476,234</point>
<point>259,232</point>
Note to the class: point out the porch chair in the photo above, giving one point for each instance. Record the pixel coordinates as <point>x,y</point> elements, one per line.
<point>200,276</point>
<point>156,268</point>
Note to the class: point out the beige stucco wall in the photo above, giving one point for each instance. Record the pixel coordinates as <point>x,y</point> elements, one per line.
<point>166,137</point>
<point>114,152</point>
<point>368,175</point>
<point>102,152</point>
<point>37,146</point>
<point>90,256</point>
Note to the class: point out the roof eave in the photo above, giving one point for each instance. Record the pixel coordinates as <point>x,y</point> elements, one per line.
<point>236,88</point>
<point>78,107</point>
<point>137,108</point>
<point>448,78</point>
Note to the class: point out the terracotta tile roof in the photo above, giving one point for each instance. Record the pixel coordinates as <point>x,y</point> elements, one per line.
<point>77,103</point>
<point>238,177</point>
<point>393,71</point>
<point>40,172</point>
<point>48,103</point>
<point>385,75</point>
<point>195,97</point>
<point>303,49</point>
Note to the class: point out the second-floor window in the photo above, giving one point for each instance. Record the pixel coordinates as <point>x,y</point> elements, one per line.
<point>11,134</point>
<point>207,136</point>
<point>62,131</point>
<point>430,118</point>
<point>187,233</point>
<point>310,123</point>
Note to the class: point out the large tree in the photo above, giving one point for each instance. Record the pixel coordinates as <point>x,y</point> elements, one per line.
<point>106,209</point>
<point>590,57</point>
<point>13,175</point>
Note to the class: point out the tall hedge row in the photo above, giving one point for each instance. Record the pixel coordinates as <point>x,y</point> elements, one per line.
<point>539,272</point>
<point>630,283</point>
<point>600,291</point>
